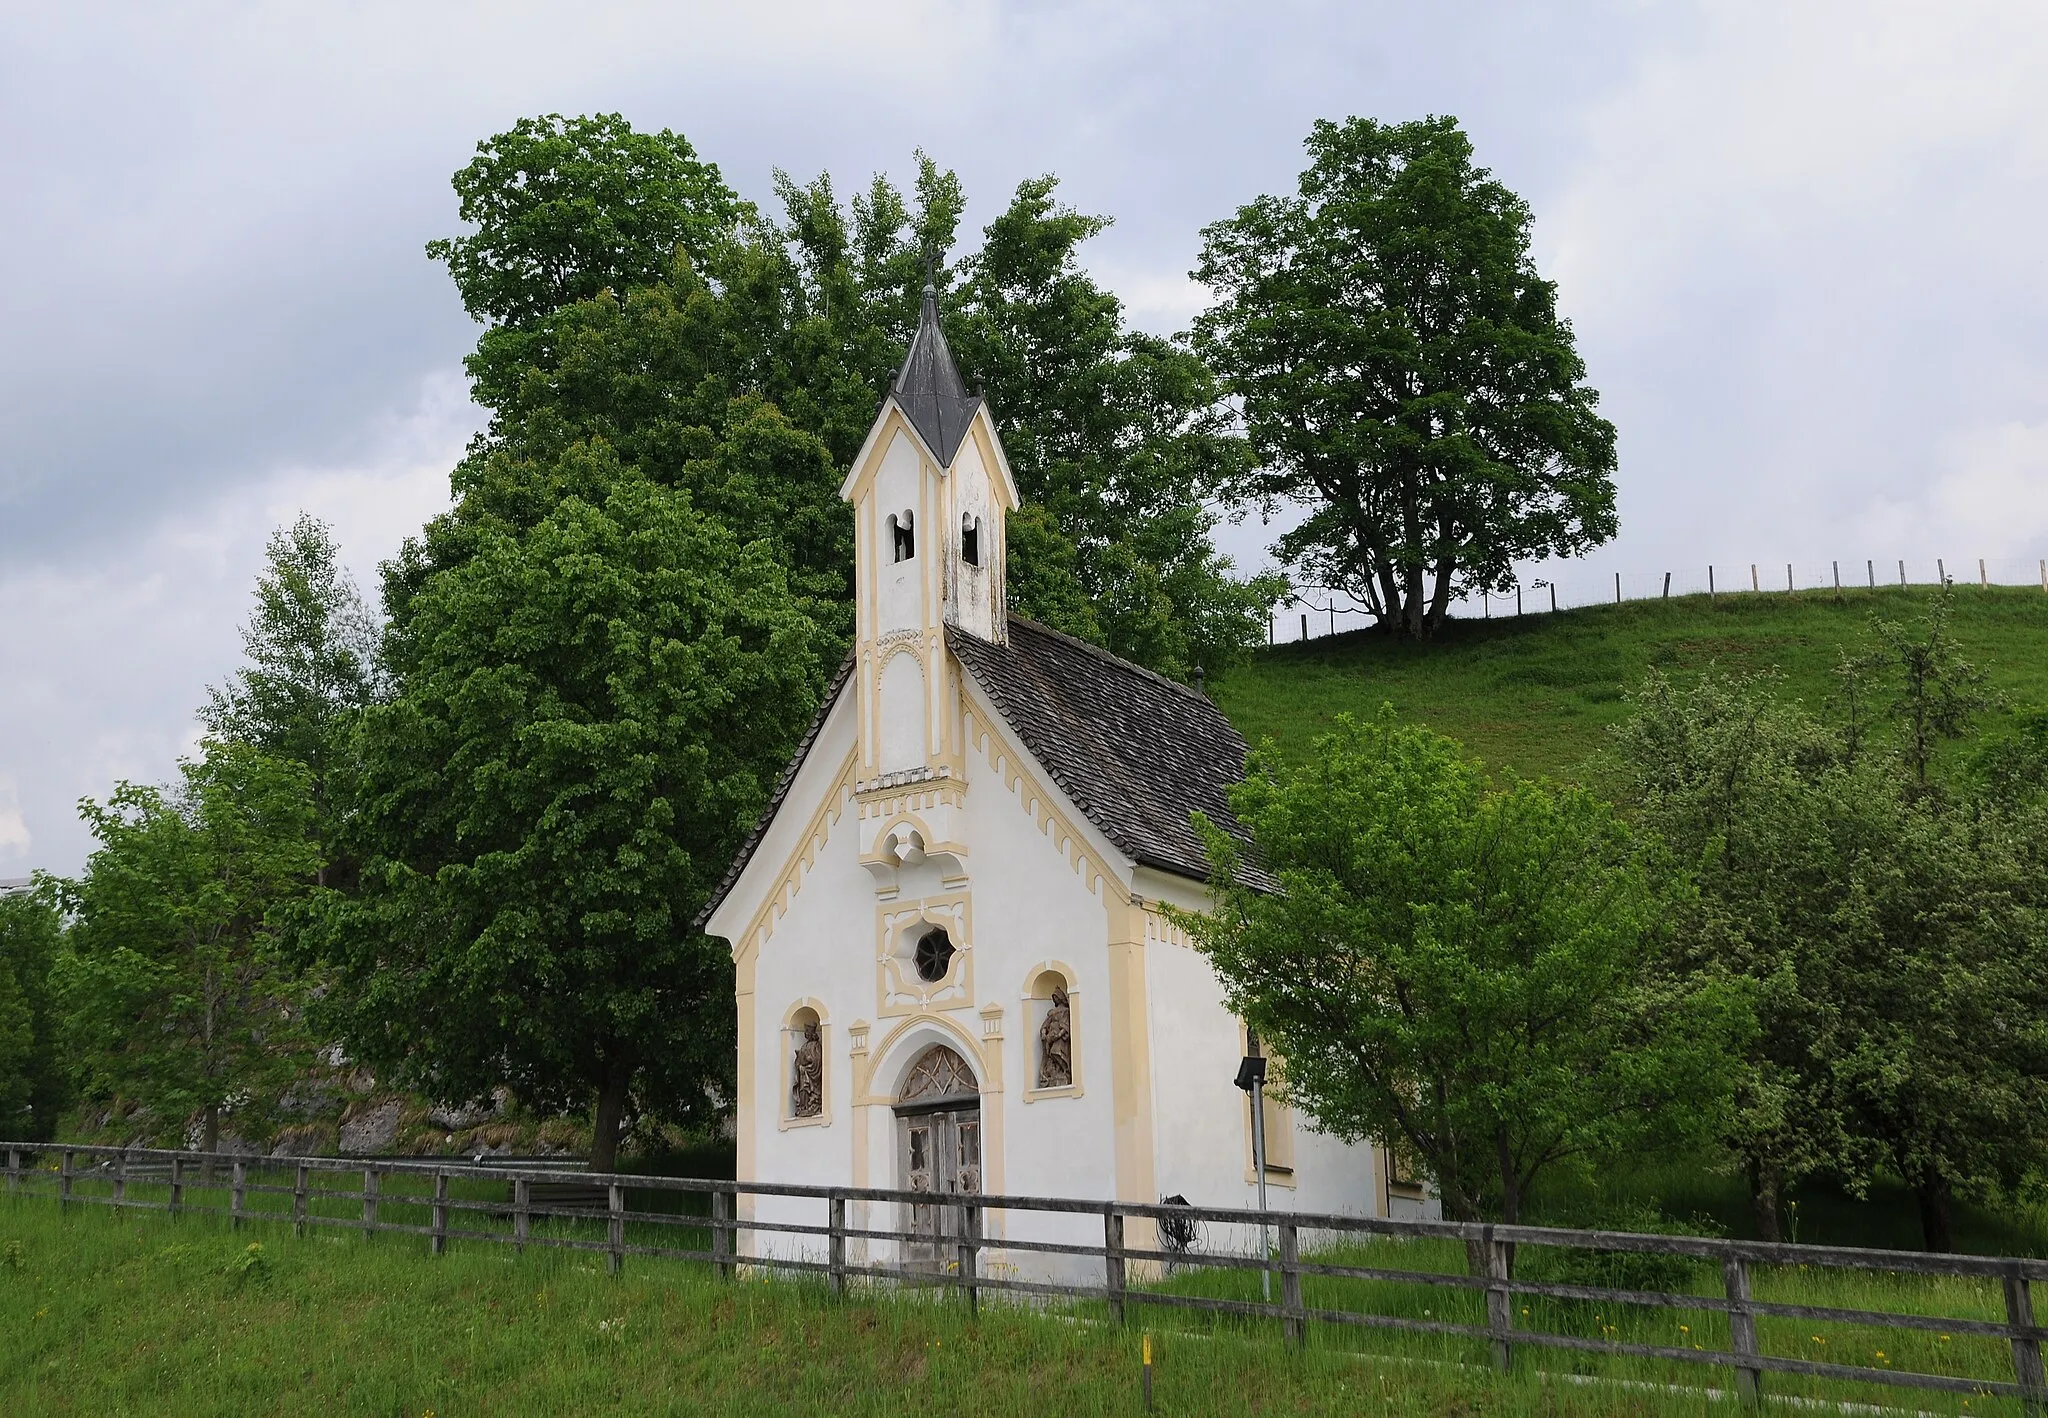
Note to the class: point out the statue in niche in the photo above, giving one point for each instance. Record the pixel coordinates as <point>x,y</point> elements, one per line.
<point>1056,1043</point>
<point>807,1077</point>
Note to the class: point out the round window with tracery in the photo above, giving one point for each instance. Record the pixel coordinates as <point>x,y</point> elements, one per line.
<point>933,956</point>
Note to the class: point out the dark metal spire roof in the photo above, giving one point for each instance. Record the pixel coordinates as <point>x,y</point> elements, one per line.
<point>929,386</point>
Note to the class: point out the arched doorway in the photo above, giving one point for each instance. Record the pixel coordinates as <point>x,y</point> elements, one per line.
<point>938,1150</point>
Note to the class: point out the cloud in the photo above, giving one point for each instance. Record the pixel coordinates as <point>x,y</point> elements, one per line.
<point>109,661</point>
<point>1799,250</point>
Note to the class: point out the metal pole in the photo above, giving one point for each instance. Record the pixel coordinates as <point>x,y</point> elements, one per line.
<point>1870,565</point>
<point>1710,583</point>
<point>1553,597</point>
<point>1667,585</point>
<point>1983,576</point>
<point>1617,588</point>
<point>1259,1168</point>
<point>1754,584</point>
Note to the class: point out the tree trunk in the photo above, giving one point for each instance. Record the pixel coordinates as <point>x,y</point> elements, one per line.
<point>209,1139</point>
<point>1767,1199</point>
<point>611,1108</point>
<point>1936,1233</point>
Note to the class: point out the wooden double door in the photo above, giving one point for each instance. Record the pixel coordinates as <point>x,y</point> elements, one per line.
<point>939,1151</point>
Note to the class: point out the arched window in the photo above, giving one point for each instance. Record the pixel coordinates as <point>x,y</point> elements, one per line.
<point>970,539</point>
<point>938,1073</point>
<point>902,535</point>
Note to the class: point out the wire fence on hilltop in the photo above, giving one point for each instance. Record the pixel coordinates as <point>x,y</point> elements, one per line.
<point>1318,612</point>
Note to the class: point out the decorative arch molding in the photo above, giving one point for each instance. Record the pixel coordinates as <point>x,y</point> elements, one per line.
<point>908,840</point>
<point>1037,1005</point>
<point>905,1044</point>
<point>902,712</point>
<point>794,1019</point>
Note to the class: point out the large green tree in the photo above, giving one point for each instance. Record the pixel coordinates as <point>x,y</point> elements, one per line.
<point>1116,437</point>
<point>177,991</point>
<point>1404,374</point>
<point>592,708</point>
<point>1480,977</point>
<point>32,1078</point>
<point>312,666</point>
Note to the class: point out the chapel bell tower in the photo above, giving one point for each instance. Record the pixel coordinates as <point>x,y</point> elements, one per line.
<point>930,491</point>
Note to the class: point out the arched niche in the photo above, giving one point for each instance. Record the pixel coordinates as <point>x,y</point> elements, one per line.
<point>1044,985</point>
<point>900,705</point>
<point>803,1106</point>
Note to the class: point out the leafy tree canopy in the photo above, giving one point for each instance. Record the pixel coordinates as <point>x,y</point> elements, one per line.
<point>1892,918</point>
<point>32,1076</point>
<point>1404,374</point>
<point>1480,977</point>
<point>567,207</point>
<point>177,993</point>
<point>593,705</point>
<point>1115,436</point>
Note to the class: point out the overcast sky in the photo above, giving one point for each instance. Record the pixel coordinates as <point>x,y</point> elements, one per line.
<point>1805,247</point>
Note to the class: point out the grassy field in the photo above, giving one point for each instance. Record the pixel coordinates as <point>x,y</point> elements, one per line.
<point>139,1313</point>
<point>1537,693</point>
<point>128,1313</point>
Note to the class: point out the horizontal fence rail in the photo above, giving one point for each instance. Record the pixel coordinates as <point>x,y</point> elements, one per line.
<point>590,1211</point>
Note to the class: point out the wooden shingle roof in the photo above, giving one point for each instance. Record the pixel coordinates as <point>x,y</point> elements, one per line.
<point>1136,752</point>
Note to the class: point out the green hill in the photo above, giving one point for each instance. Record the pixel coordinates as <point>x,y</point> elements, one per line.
<point>1537,693</point>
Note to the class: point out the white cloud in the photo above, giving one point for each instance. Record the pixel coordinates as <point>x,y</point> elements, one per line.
<point>110,660</point>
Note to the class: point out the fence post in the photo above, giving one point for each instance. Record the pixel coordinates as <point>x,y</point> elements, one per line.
<point>1870,565</point>
<point>372,1185</point>
<point>299,1207</point>
<point>2044,573</point>
<point>1902,571</point>
<point>616,1229</point>
<point>13,1170</point>
<point>177,1185</point>
<point>1667,585</point>
<point>522,1216</point>
<point>238,1179</point>
<point>1983,576</point>
<point>970,1259</point>
<point>439,1244</point>
<point>835,1244</point>
<point>1553,598</point>
<point>120,1176</point>
<point>1754,584</point>
<point>2026,1340</point>
<point>1113,1261</point>
<point>1617,588</point>
<point>1788,575</point>
<point>1749,1381</point>
<point>1499,1311</point>
<point>722,1234</point>
<point>1710,583</point>
<point>64,1183</point>
<point>1940,571</point>
<point>1838,580</point>
<point>1293,1322</point>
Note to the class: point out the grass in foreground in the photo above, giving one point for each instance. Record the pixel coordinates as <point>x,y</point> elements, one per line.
<point>138,1313</point>
<point>1537,693</point>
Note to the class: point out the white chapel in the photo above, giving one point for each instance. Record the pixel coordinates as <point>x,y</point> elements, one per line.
<point>952,970</point>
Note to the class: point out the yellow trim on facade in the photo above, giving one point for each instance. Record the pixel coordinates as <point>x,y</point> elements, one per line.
<point>789,881</point>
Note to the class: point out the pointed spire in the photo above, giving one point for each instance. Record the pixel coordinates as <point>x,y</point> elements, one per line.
<point>929,386</point>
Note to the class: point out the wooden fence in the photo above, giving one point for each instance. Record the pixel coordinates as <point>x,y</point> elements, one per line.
<point>595,1216</point>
